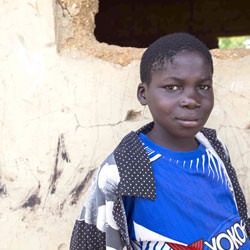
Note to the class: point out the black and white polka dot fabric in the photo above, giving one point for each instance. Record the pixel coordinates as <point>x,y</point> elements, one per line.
<point>134,168</point>
<point>127,172</point>
<point>85,236</point>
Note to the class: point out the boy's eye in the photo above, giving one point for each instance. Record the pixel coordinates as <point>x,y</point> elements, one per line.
<point>172,87</point>
<point>204,87</point>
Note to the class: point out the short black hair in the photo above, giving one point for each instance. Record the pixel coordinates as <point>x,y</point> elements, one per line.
<point>165,48</point>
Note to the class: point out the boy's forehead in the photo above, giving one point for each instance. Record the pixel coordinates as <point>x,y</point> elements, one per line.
<point>163,62</point>
<point>183,64</point>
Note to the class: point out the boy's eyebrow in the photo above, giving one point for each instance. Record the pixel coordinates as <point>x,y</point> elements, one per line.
<point>207,79</point>
<point>172,78</point>
<point>180,79</point>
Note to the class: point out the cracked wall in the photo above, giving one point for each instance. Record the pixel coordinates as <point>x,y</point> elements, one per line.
<point>66,101</point>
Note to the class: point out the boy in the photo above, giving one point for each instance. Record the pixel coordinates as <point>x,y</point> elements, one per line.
<point>170,185</point>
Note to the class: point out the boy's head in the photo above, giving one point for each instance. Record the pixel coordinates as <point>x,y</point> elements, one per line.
<point>164,49</point>
<point>177,87</point>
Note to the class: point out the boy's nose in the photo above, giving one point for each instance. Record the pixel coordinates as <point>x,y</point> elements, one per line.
<point>190,99</point>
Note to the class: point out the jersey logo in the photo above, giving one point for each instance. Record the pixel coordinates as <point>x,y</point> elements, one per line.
<point>233,238</point>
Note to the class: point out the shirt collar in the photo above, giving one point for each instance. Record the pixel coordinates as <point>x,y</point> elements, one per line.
<point>134,166</point>
<point>135,170</point>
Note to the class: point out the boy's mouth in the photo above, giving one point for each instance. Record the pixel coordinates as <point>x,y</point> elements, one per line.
<point>188,122</point>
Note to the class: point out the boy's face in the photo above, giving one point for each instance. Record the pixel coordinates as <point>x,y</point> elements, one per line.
<point>180,99</point>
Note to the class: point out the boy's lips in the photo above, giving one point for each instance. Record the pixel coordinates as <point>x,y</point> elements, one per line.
<point>188,122</point>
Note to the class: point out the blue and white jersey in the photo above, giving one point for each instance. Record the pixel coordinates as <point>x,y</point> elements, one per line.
<point>194,207</point>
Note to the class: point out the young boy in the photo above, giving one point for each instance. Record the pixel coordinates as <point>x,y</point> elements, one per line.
<point>170,185</point>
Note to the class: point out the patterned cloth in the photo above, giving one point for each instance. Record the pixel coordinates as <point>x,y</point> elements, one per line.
<point>128,172</point>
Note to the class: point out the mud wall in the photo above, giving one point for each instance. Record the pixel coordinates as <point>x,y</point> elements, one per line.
<point>65,101</point>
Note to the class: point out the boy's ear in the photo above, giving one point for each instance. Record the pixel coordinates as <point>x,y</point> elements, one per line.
<point>141,93</point>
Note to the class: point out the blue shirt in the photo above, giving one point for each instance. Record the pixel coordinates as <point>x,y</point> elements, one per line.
<point>193,206</point>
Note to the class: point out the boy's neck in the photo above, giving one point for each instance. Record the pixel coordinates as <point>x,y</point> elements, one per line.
<point>173,143</point>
